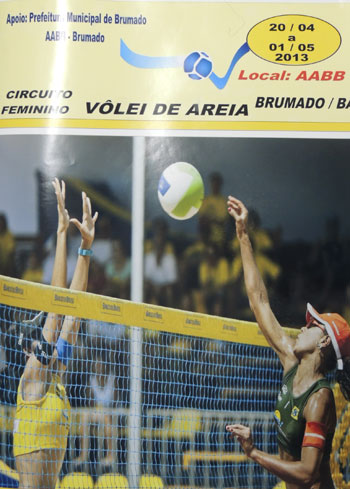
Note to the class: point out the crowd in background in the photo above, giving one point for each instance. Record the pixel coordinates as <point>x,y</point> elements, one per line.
<point>203,272</point>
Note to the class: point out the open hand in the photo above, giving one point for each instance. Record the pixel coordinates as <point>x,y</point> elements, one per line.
<point>239,212</point>
<point>87,225</point>
<point>243,435</point>
<point>63,216</point>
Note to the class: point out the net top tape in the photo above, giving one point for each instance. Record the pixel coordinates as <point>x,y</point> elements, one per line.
<point>28,295</point>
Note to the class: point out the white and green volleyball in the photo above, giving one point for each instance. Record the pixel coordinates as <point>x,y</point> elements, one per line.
<point>181,190</point>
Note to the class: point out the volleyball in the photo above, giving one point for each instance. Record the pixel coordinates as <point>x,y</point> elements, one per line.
<point>181,190</point>
<point>198,65</point>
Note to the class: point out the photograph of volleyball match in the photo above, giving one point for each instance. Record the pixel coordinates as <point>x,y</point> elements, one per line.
<point>174,312</point>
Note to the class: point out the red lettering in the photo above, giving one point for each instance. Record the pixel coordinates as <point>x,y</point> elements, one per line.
<point>314,76</point>
<point>302,76</point>
<point>327,75</point>
<point>321,76</point>
<point>339,75</point>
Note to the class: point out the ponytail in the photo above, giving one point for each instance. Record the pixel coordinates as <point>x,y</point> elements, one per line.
<point>343,378</point>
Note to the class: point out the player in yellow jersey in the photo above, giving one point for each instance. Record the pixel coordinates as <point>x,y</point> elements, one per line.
<point>43,412</point>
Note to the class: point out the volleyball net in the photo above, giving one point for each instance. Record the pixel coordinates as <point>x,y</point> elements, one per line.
<point>151,391</point>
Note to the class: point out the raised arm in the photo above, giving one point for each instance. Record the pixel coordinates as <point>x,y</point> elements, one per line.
<point>35,372</point>
<point>59,273</point>
<point>71,325</point>
<point>256,290</point>
<point>87,231</point>
<point>51,328</point>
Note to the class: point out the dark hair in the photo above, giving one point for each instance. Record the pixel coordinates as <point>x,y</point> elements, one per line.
<point>216,177</point>
<point>343,378</point>
<point>3,222</point>
<point>29,331</point>
<point>27,334</point>
<point>329,359</point>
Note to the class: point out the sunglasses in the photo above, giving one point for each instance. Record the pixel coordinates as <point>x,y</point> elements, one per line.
<point>314,324</point>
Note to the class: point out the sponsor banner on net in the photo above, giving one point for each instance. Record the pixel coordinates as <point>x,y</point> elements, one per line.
<point>202,65</point>
<point>13,289</point>
<point>111,307</point>
<point>64,299</point>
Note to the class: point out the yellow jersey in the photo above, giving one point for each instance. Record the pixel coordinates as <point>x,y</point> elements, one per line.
<point>44,423</point>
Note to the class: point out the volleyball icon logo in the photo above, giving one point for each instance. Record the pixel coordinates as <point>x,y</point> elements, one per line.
<point>181,190</point>
<point>198,65</point>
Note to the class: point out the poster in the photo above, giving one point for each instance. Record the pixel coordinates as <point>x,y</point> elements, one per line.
<point>226,66</point>
<point>253,94</point>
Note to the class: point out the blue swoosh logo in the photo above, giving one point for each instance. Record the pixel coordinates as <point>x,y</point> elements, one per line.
<point>221,83</point>
<point>152,62</point>
<point>142,61</point>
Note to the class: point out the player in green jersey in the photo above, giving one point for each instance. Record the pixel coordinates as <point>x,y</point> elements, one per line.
<point>305,412</point>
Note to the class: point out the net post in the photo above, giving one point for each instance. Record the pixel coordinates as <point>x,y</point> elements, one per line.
<point>137,231</point>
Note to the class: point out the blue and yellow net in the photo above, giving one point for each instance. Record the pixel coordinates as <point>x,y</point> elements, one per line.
<point>149,409</point>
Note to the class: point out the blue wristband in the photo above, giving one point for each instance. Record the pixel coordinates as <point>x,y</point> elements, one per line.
<point>64,351</point>
<point>83,252</point>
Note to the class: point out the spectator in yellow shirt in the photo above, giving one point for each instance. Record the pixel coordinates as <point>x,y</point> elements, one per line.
<point>213,277</point>
<point>214,210</point>
<point>7,248</point>
<point>261,243</point>
<point>34,269</point>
